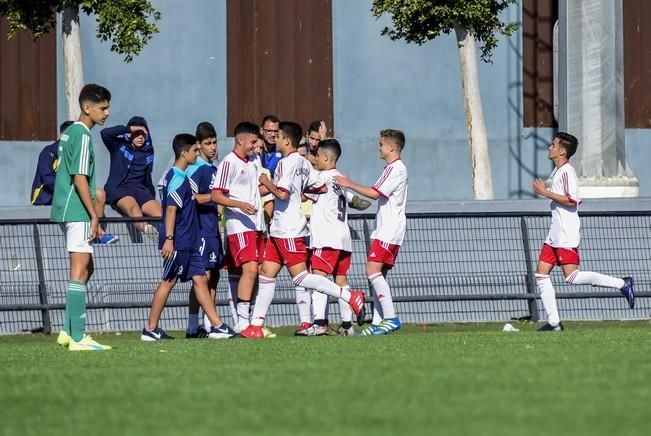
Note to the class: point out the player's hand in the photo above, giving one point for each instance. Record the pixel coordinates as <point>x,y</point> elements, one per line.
<point>539,186</point>
<point>264,180</point>
<point>342,181</point>
<point>323,130</point>
<point>94,227</point>
<point>134,129</point>
<point>248,209</point>
<point>168,249</point>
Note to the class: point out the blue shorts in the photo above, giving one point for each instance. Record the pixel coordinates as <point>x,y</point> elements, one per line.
<point>183,265</point>
<point>140,193</point>
<point>211,252</point>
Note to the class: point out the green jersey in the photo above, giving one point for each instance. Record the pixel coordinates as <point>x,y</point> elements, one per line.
<point>76,156</point>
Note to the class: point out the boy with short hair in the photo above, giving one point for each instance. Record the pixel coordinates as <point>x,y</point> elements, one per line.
<point>73,206</point>
<point>179,243</point>
<point>201,175</point>
<point>286,244</point>
<point>562,242</point>
<point>235,187</point>
<point>390,224</point>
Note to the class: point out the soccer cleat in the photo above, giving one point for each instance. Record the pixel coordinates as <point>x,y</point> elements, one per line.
<point>389,325</point>
<point>627,291</point>
<point>200,334</point>
<point>222,332</point>
<point>107,239</point>
<point>302,329</point>
<point>64,338</point>
<point>547,327</point>
<point>157,334</point>
<point>87,344</point>
<point>317,330</point>
<point>268,334</point>
<point>151,232</point>
<point>372,330</point>
<point>252,332</point>
<point>359,203</point>
<point>357,305</point>
<point>346,332</point>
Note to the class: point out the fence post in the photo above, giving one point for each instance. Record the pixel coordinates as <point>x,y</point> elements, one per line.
<point>531,279</point>
<point>42,289</point>
<point>367,244</point>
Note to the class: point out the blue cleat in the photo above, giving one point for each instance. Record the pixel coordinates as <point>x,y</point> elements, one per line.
<point>390,325</point>
<point>222,332</point>
<point>627,291</point>
<point>107,239</point>
<point>372,330</point>
<point>157,334</point>
<point>547,327</point>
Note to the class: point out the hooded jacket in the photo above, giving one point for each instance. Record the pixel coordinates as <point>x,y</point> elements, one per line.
<point>118,142</point>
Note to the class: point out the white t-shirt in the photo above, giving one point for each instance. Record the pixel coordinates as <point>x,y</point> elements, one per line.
<point>329,219</point>
<point>391,222</point>
<point>237,178</point>
<point>565,230</point>
<point>294,174</point>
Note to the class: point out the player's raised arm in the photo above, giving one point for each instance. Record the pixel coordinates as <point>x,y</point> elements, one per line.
<point>280,193</point>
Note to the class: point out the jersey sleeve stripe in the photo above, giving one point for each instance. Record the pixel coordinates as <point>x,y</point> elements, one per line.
<point>177,199</point>
<point>83,157</point>
<point>379,192</point>
<point>280,188</point>
<point>385,176</point>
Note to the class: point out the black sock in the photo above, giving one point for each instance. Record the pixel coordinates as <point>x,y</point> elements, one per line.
<point>346,324</point>
<point>321,322</point>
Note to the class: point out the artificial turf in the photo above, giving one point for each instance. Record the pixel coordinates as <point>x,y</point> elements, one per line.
<point>592,379</point>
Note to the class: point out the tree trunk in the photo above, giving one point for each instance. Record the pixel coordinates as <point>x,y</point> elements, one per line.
<point>482,181</point>
<point>72,62</point>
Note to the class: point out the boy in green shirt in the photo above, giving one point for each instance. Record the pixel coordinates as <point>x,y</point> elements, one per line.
<point>73,207</point>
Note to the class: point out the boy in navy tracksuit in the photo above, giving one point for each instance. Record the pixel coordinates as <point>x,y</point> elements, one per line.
<point>129,188</point>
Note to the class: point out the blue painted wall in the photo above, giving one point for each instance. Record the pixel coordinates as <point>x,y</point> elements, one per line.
<point>180,80</point>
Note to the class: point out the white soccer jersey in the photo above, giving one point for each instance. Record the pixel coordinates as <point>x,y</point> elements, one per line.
<point>294,174</point>
<point>391,222</point>
<point>565,229</point>
<point>329,219</point>
<point>237,177</point>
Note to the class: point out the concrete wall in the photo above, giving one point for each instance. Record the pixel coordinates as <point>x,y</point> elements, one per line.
<point>180,80</point>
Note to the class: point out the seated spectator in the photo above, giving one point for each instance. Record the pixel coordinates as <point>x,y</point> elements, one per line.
<point>129,188</point>
<point>43,184</point>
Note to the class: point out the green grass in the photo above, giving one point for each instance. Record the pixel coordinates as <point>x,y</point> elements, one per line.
<point>593,379</point>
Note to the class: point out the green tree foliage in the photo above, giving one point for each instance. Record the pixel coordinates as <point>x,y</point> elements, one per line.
<point>127,24</point>
<point>422,20</point>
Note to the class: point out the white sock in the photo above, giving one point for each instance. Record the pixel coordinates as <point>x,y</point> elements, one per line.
<point>304,303</point>
<point>320,305</point>
<point>383,292</point>
<point>378,316</point>
<point>193,323</point>
<point>243,314</point>
<point>266,288</point>
<point>594,279</point>
<point>548,297</point>
<point>206,322</point>
<point>321,284</point>
<point>233,281</point>
<point>345,310</point>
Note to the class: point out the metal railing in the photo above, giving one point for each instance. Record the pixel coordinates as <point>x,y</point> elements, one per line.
<point>452,267</point>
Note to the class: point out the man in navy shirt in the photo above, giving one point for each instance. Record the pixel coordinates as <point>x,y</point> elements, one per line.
<point>270,156</point>
<point>179,244</point>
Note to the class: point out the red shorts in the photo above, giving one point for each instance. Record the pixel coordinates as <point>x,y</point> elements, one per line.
<point>559,256</point>
<point>330,261</point>
<point>290,251</point>
<point>242,248</point>
<point>383,252</point>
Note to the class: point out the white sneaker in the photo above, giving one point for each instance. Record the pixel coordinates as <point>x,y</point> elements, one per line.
<point>317,330</point>
<point>151,232</point>
<point>346,332</point>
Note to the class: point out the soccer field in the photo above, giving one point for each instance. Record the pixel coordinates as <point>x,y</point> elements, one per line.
<point>594,378</point>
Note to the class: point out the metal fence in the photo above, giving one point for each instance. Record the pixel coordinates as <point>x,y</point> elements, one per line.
<point>452,267</point>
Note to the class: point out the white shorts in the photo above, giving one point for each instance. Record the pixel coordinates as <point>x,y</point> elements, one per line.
<point>77,237</point>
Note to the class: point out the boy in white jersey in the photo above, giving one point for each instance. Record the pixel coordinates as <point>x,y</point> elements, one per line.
<point>236,188</point>
<point>390,224</point>
<point>562,242</point>
<point>286,244</point>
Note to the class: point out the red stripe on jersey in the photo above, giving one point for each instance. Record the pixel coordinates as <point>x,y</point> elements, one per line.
<point>385,176</point>
<point>224,176</point>
<point>379,192</point>
<point>573,200</point>
<point>316,190</point>
<point>280,188</point>
<point>224,190</point>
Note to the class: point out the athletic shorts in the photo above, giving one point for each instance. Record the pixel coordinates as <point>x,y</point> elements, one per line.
<point>140,193</point>
<point>77,235</point>
<point>330,261</point>
<point>211,252</point>
<point>559,256</point>
<point>383,252</point>
<point>290,251</point>
<point>183,265</point>
<point>242,248</point>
